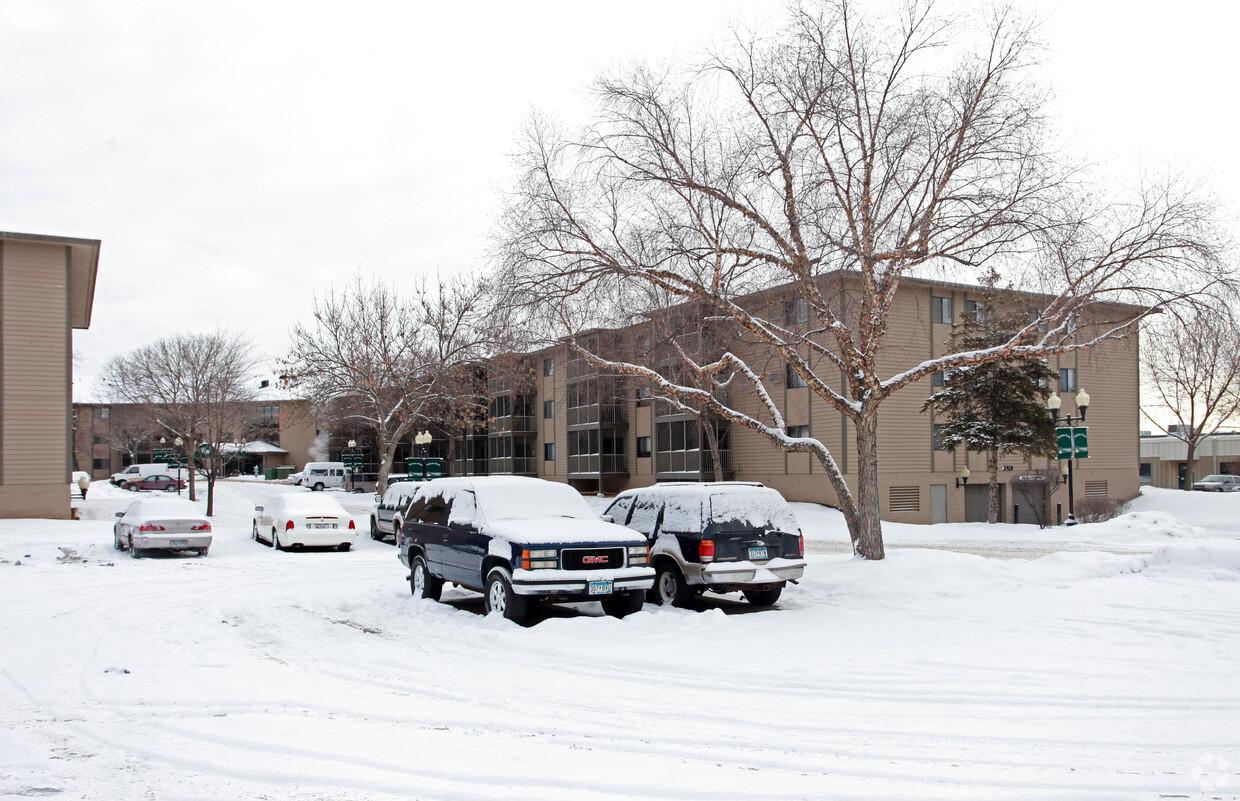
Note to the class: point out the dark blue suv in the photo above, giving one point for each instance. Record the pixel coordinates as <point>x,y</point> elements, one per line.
<point>520,540</point>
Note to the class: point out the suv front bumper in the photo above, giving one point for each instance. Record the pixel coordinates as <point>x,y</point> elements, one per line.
<point>576,583</point>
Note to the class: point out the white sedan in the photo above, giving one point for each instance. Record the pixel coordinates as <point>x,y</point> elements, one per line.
<point>298,520</point>
<point>161,523</point>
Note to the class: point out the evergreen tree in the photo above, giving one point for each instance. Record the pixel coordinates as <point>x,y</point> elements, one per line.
<point>996,407</point>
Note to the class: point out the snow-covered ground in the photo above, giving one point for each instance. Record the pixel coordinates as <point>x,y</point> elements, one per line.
<point>1105,670</point>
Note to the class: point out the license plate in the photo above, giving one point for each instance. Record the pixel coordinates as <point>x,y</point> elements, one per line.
<point>757,553</point>
<point>175,543</point>
<point>322,525</point>
<point>601,587</point>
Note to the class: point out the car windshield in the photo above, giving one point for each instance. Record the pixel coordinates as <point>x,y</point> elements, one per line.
<point>1216,479</point>
<point>759,509</point>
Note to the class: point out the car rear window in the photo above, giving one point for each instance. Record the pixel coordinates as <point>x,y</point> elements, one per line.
<point>759,509</point>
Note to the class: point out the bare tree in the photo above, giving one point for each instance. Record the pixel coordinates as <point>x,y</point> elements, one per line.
<point>1192,370</point>
<point>824,162</point>
<point>198,387</point>
<point>376,358</point>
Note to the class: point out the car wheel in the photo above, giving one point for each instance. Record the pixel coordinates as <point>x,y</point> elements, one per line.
<point>170,488</point>
<point>131,487</point>
<point>623,604</point>
<point>116,541</point>
<point>203,551</point>
<point>763,597</point>
<point>344,546</point>
<point>374,529</point>
<point>134,553</point>
<point>254,532</point>
<point>396,525</point>
<point>499,599</point>
<point>670,588</point>
<point>275,540</point>
<point>317,487</point>
<point>421,583</point>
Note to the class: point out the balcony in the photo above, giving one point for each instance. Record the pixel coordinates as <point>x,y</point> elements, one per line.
<point>598,464</point>
<point>597,414</point>
<point>514,465</point>
<point>513,424</point>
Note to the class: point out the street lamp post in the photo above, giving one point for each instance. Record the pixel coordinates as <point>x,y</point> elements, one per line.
<point>1082,404</point>
<point>352,465</point>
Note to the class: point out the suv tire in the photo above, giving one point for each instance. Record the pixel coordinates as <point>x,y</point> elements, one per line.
<point>374,529</point>
<point>498,598</point>
<point>763,597</point>
<point>670,588</point>
<point>623,604</point>
<point>421,583</point>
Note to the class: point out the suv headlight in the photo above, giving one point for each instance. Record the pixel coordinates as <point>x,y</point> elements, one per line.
<point>540,559</point>
<point>639,554</point>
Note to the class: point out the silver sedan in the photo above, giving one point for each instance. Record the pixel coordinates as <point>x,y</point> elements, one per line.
<point>161,523</point>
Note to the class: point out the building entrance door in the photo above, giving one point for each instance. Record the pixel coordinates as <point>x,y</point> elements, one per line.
<point>938,503</point>
<point>977,502</point>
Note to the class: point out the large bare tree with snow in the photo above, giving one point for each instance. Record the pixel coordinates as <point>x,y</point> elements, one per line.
<point>1191,362</point>
<point>200,388</point>
<point>832,157</point>
<point>390,362</point>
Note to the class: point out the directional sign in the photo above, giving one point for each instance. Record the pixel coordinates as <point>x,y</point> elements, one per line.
<point>1073,442</point>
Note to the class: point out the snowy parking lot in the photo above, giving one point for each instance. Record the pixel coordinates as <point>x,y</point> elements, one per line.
<point>1104,670</point>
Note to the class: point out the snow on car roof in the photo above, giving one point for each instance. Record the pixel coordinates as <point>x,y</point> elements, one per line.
<point>165,509</point>
<point>751,505</point>
<point>515,497</point>
<point>303,502</point>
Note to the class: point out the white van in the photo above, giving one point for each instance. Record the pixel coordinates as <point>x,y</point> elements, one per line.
<point>139,471</point>
<point>320,475</point>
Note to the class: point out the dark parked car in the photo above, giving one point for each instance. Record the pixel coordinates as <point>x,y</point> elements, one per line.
<point>388,513</point>
<point>722,537</point>
<point>518,541</point>
<point>165,483</point>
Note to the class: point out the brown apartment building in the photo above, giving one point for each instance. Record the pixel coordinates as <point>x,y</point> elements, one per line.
<point>47,288</point>
<point>563,420</point>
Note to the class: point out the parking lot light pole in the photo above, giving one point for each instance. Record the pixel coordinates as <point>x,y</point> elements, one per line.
<point>352,464</point>
<point>1082,404</point>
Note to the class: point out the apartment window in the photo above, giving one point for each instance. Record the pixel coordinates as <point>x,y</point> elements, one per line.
<point>1147,473</point>
<point>976,310</point>
<point>97,439</point>
<point>548,451</point>
<point>643,446</point>
<point>797,311</point>
<point>643,396</point>
<point>936,437</point>
<point>548,409</point>
<point>939,379</point>
<point>941,310</point>
<point>100,412</point>
<point>1067,379</point>
<point>798,432</point>
<point>101,464</point>
<point>792,378</point>
<point>270,414</point>
<point>548,366</point>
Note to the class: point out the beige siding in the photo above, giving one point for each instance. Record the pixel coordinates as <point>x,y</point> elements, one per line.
<point>35,352</point>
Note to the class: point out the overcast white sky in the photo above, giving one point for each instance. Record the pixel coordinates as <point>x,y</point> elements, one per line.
<point>235,158</point>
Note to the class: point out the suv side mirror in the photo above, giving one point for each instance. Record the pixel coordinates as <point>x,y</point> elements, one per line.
<point>608,519</point>
<point>120,514</point>
<point>258,508</point>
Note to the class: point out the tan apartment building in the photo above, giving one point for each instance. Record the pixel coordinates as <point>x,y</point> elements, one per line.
<point>564,420</point>
<point>47,289</point>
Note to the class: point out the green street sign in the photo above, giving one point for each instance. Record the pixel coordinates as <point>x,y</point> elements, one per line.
<point>434,468</point>
<point>1080,442</point>
<point>1064,437</point>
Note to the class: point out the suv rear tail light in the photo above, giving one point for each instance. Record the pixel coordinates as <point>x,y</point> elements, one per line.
<point>351,526</point>
<point>706,551</point>
<point>801,546</point>
<point>288,526</point>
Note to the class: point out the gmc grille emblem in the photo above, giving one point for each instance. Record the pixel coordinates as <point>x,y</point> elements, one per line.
<point>594,560</point>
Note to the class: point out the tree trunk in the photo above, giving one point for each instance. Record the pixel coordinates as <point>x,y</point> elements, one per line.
<point>866,530</point>
<point>387,452</point>
<point>189,468</point>
<point>992,499</point>
<point>1189,473</point>
<point>712,442</point>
